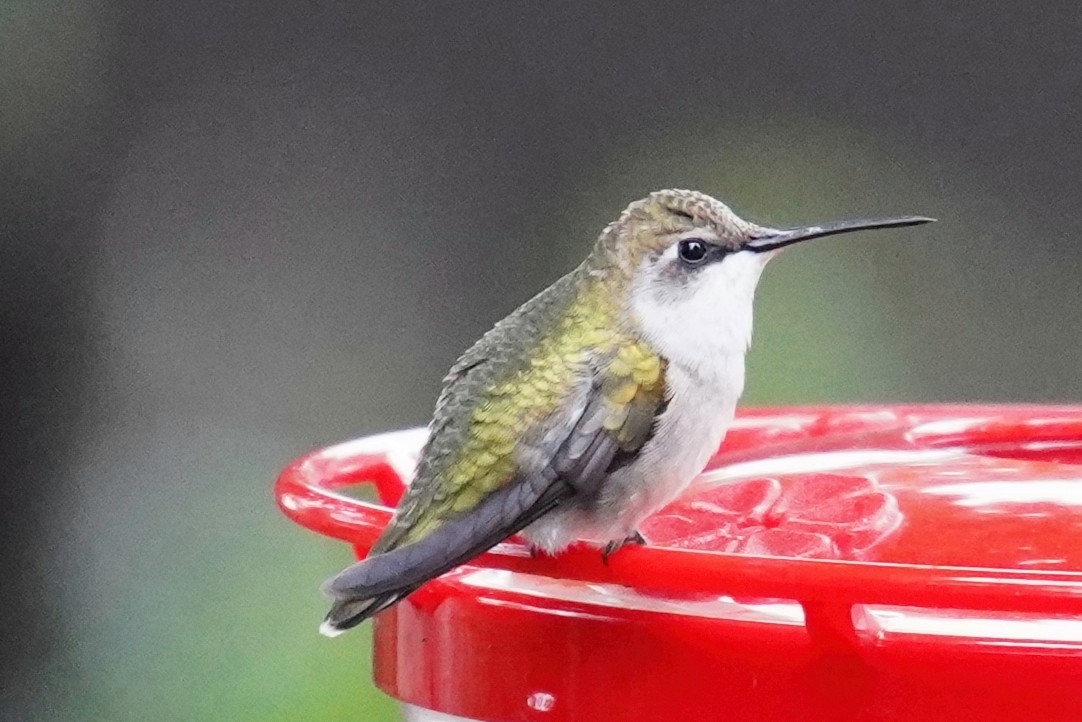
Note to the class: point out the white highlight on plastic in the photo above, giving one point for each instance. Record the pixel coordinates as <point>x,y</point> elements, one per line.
<point>825,461</point>
<point>541,701</point>
<point>420,714</point>
<point>1065,492</point>
<point>977,625</point>
<point>400,448</point>
<point>615,595</point>
<point>947,427</point>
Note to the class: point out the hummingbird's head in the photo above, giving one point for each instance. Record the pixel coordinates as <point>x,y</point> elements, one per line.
<point>690,266</point>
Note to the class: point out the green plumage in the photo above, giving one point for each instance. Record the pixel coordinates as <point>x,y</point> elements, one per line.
<point>512,389</point>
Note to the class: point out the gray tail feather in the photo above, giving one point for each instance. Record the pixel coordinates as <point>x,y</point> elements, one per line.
<point>382,580</point>
<point>366,588</point>
<point>348,613</point>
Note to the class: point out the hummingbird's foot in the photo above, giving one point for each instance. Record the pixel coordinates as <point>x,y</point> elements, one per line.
<point>635,538</point>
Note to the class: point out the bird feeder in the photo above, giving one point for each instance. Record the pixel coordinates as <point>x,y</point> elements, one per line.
<point>863,563</point>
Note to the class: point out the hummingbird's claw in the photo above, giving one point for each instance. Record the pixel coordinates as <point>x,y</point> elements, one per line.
<point>635,538</point>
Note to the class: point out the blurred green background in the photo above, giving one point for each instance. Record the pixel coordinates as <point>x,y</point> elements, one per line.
<point>234,232</point>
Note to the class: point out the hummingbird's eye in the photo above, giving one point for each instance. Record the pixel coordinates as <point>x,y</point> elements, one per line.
<point>693,251</point>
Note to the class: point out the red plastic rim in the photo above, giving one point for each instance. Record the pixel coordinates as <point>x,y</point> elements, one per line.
<point>307,492</point>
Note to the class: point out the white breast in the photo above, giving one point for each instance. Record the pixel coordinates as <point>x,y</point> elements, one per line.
<point>703,330</point>
<point>688,434</point>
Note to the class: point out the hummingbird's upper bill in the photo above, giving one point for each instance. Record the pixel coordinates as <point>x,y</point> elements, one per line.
<point>781,239</point>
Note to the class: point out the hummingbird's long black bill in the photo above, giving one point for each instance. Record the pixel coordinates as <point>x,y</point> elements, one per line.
<point>788,237</point>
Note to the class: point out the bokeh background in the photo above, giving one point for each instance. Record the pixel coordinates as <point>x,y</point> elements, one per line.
<point>231,232</point>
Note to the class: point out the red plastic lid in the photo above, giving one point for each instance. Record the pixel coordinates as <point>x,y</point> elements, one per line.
<point>842,563</point>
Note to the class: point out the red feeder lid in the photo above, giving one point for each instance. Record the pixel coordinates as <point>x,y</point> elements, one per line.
<point>841,563</point>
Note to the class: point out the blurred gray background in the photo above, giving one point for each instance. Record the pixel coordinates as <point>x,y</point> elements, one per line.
<point>233,232</point>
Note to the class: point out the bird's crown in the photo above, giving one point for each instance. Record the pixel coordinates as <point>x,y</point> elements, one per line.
<point>653,223</point>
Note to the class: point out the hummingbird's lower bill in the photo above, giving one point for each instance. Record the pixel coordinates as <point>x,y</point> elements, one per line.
<point>591,406</point>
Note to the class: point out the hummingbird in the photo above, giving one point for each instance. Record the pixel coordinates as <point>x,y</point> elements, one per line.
<point>591,406</point>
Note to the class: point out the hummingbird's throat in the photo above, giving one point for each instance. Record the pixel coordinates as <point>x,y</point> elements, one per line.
<point>704,325</point>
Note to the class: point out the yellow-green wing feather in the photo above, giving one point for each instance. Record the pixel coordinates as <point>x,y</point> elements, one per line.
<point>534,393</point>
